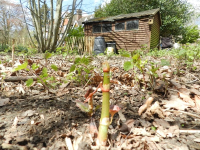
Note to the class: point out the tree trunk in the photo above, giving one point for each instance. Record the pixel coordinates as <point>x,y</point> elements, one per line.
<point>50,39</point>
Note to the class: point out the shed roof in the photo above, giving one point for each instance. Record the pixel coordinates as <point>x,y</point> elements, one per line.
<point>151,12</point>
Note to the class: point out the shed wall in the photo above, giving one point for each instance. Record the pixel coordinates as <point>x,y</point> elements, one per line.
<point>125,39</point>
<point>155,32</point>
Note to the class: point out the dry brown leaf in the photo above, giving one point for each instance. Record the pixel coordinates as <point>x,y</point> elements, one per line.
<point>145,106</point>
<point>175,102</point>
<point>93,128</point>
<point>4,101</point>
<point>197,101</point>
<point>154,109</point>
<point>126,127</point>
<point>194,91</point>
<point>186,98</point>
<point>196,86</point>
<point>174,83</point>
<point>89,90</point>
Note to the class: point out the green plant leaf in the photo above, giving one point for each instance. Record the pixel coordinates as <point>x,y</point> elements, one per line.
<point>34,66</point>
<point>54,67</point>
<point>86,70</point>
<point>47,55</point>
<point>77,60</point>
<point>29,82</point>
<point>182,52</point>
<point>165,62</point>
<point>153,128</point>
<point>21,67</point>
<point>52,78</point>
<point>72,68</point>
<point>85,60</point>
<point>44,72</point>
<point>128,65</point>
<point>136,57</point>
<point>126,55</point>
<point>83,106</point>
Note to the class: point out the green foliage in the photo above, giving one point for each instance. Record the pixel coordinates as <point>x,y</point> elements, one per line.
<point>29,82</point>
<point>124,53</point>
<point>21,48</point>
<point>157,53</point>
<point>138,62</point>
<point>153,75</point>
<point>44,78</point>
<point>44,72</point>
<point>165,62</point>
<point>34,66</point>
<point>76,31</point>
<point>83,106</point>
<point>54,67</point>
<point>128,65</point>
<point>21,67</point>
<point>81,70</point>
<point>47,55</point>
<point>32,51</point>
<point>174,14</point>
<point>190,35</point>
<point>153,128</point>
<point>3,47</point>
<point>186,55</point>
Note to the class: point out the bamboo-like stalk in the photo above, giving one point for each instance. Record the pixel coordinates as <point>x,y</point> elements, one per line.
<point>104,121</point>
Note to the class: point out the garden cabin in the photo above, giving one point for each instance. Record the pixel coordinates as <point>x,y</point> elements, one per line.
<point>129,31</point>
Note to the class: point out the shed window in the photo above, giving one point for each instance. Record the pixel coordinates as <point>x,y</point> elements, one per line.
<point>131,25</point>
<point>106,27</point>
<point>119,26</point>
<point>96,28</point>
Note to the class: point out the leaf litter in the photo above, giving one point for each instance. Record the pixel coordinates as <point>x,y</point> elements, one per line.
<point>37,118</point>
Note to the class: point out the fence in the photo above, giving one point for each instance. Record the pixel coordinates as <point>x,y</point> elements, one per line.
<point>81,44</point>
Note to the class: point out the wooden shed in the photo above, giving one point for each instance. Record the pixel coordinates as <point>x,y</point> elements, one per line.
<point>128,31</point>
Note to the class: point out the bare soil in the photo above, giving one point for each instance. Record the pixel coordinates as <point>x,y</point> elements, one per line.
<point>31,118</point>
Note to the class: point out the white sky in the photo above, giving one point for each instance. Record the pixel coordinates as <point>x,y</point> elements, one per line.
<point>194,2</point>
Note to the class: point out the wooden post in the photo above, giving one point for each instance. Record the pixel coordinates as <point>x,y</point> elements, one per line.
<point>13,50</point>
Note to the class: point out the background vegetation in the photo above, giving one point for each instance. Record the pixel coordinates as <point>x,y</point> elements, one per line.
<point>174,14</point>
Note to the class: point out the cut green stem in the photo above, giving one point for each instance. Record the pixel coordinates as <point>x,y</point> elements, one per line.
<point>104,121</point>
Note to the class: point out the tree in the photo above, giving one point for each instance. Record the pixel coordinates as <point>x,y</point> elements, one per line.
<point>45,11</point>
<point>190,35</point>
<point>10,20</point>
<point>47,23</point>
<point>174,13</point>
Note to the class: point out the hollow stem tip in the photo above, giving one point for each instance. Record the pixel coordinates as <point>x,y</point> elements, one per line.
<point>106,66</point>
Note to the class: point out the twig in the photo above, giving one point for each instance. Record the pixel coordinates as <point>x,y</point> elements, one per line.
<point>189,131</point>
<point>173,90</point>
<point>196,79</point>
<point>192,81</point>
<point>88,81</point>
<point>187,113</point>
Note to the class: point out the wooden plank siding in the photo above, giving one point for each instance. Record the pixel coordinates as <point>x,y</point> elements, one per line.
<point>125,39</point>
<point>147,34</point>
<point>155,32</point>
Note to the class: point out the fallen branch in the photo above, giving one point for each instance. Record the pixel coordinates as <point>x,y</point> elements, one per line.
<point>189,131</point>
<point>187,113</point>
<point>19,78</point>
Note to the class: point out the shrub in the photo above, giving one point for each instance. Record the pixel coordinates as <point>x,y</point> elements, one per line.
<point>3,47</point>
<point>190,35</point>
<point>21,48</point>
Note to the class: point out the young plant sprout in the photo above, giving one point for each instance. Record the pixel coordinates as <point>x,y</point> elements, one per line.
<point>105,120</point>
